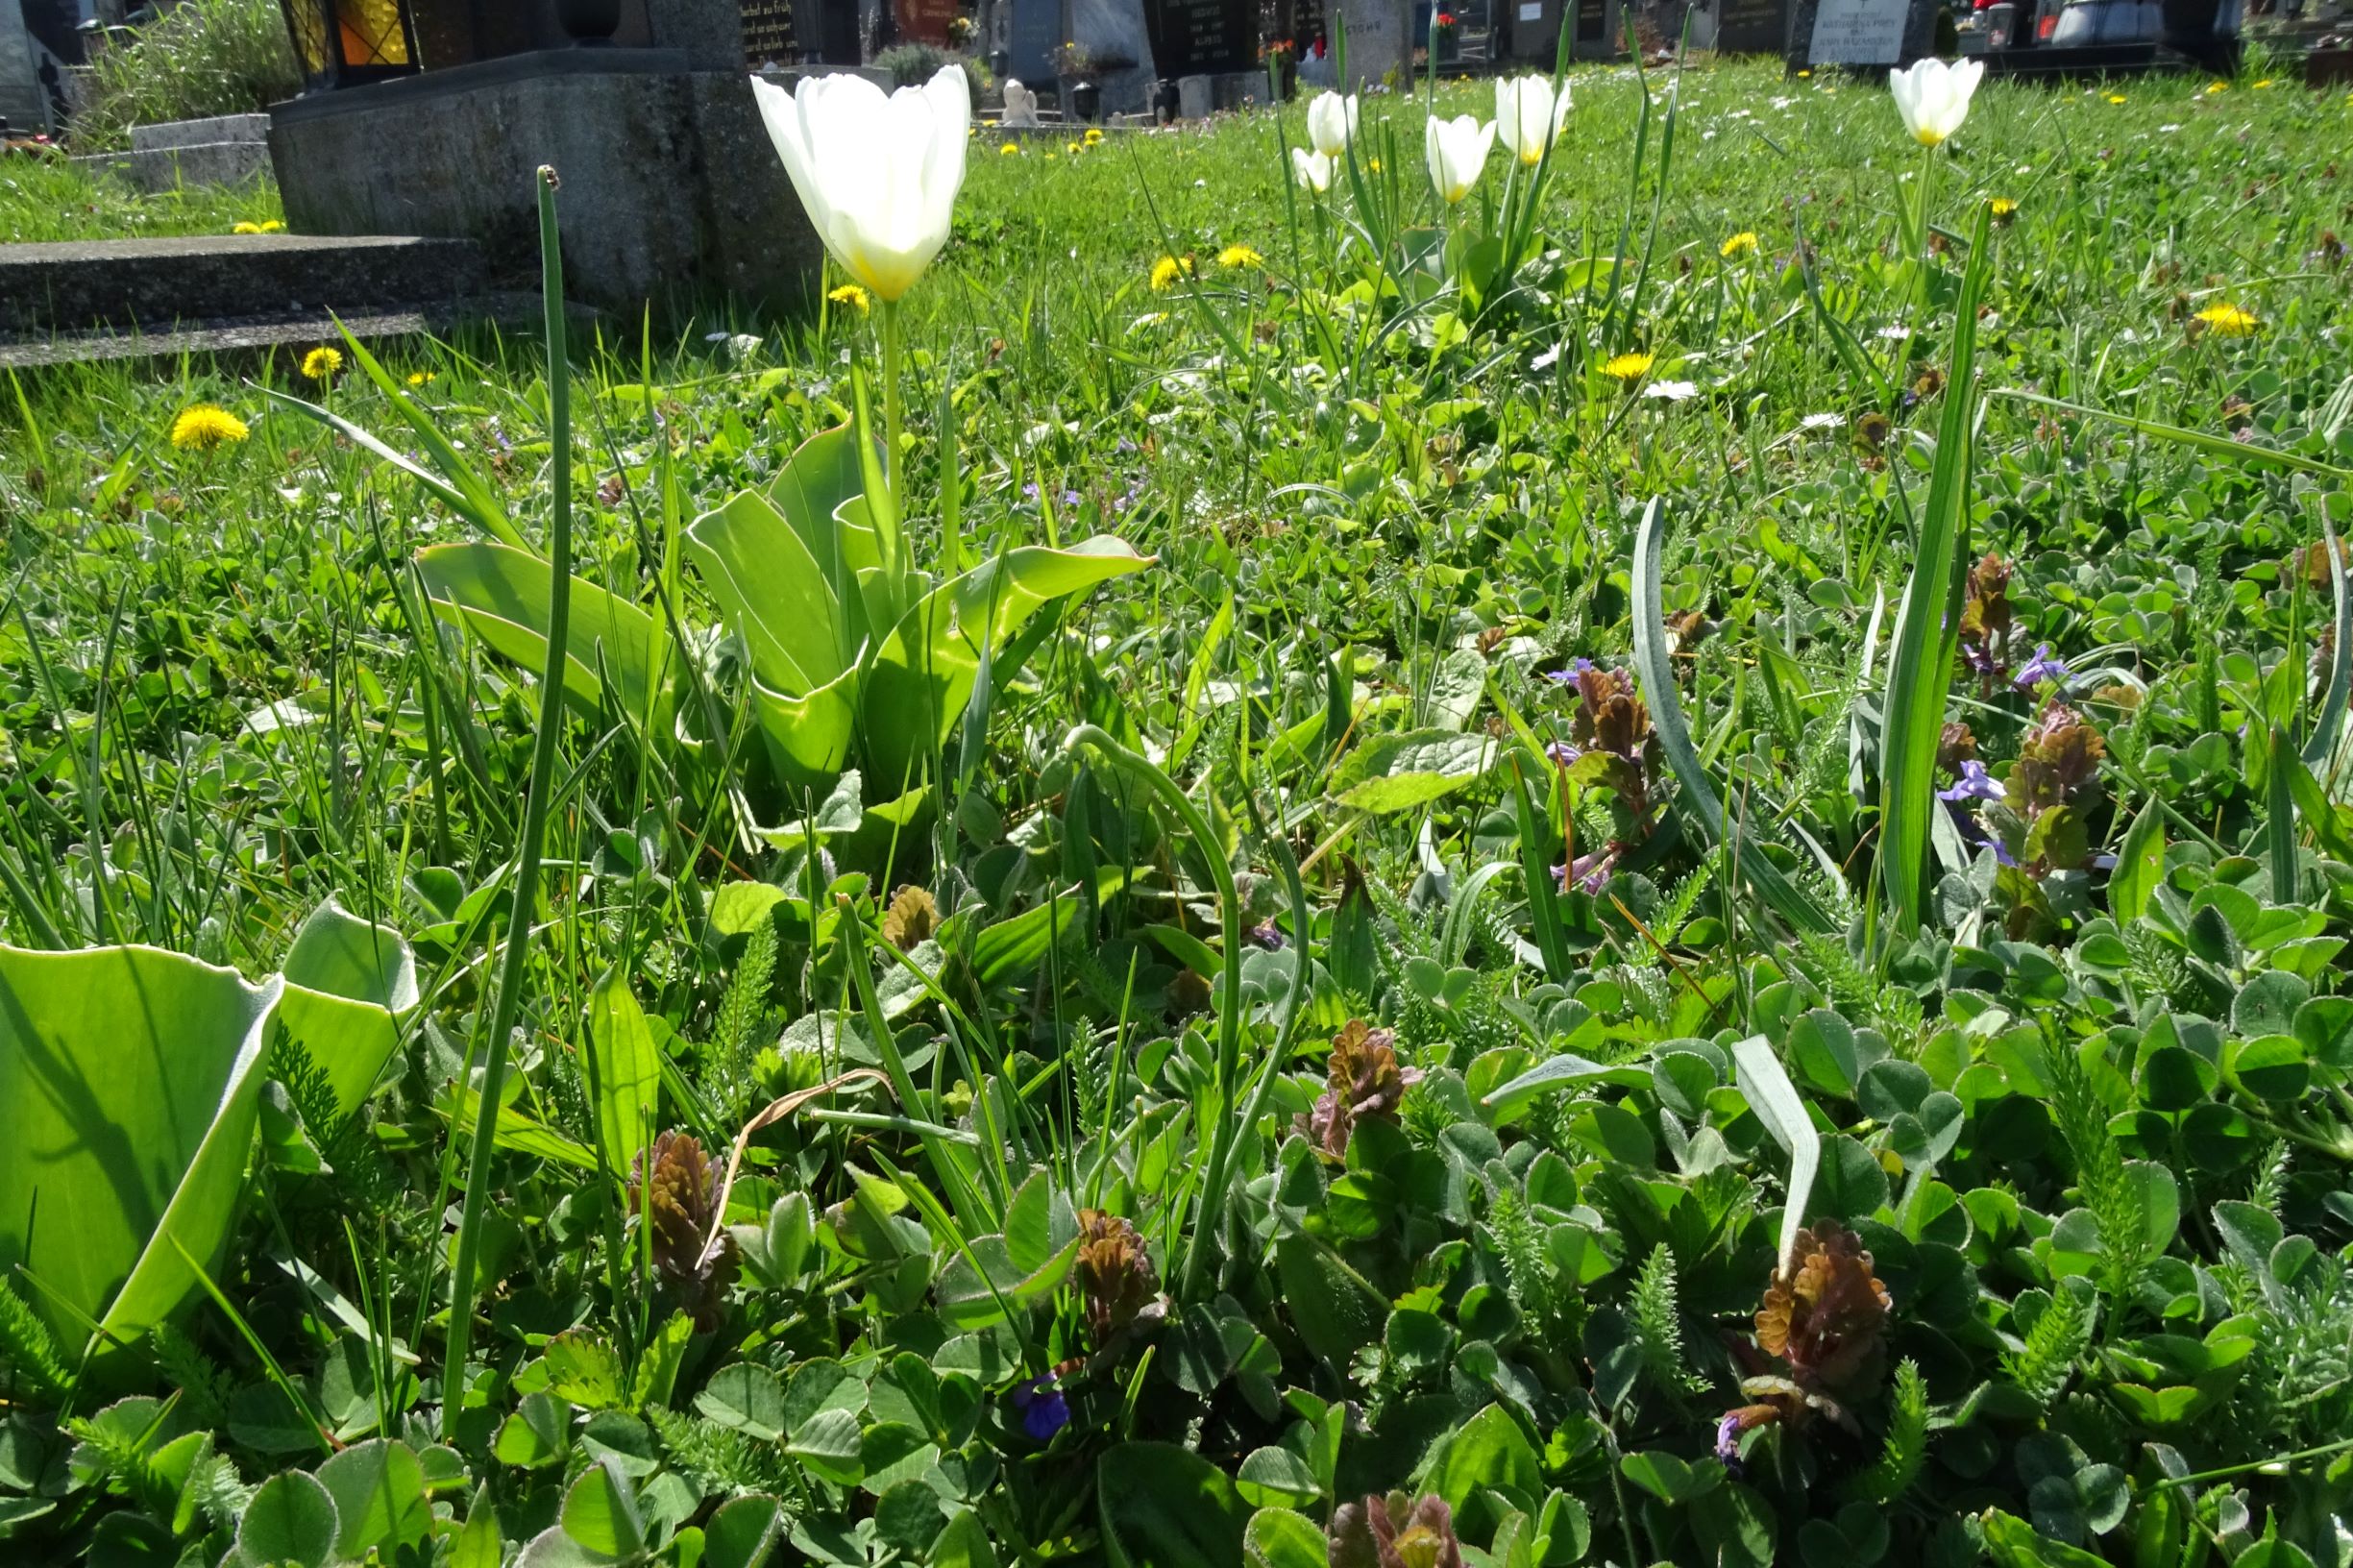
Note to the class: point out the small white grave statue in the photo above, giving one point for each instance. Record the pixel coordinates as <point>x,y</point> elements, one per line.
<point>1020,106</point>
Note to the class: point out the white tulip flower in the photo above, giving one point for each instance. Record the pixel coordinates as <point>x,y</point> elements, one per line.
<point>1528,116</point>
<point>1312,170</point>
<point>1456,151</point>
<point>877,174</point>
<point>1332,122</point>
<point>1934,97</point>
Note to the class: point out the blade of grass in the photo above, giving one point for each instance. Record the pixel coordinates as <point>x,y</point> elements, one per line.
<point>483,1148</point>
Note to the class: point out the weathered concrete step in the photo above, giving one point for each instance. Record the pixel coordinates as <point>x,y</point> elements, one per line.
<point>156,169</point>
<point>154,284</point>
<point>151,139</point>
<point>263,333</point>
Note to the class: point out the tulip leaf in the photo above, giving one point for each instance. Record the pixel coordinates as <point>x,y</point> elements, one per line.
<point>501,596</point>
<point>927,665</point>
<point>348,981</point>
<point>774,593</point>
<point>1775,1099</point>
<point>1698,797</point>
<point>809,738</point>
<point>130,1077</point>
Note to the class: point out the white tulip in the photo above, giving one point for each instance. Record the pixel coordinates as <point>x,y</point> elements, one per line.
<point>1934,97</point>
<point>1528,116</point>
<point>1456,150</point>
<point>1312,170</point>
<point>1332,122</point>
<point>877,174</point>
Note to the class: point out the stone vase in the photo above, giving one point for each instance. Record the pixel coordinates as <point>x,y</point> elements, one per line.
<point>1085,98</point>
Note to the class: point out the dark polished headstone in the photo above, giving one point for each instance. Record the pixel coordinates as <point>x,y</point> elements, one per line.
<point>1203,37</point>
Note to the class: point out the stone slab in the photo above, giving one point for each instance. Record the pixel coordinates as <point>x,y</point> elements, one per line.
<point>251,333</point>
<point>154,284</point>
<point>148,138</point>
<point>670,181</point>
<point>1380,42</point>
<point>156,170</point>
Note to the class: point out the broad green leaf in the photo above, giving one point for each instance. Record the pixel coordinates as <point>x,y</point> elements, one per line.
<point>583,1370</point>
<point>964,1544</point>
<point>747,1396</point>
<point>1400,772</point>
<point>601,1514</point>
<point>624,1072</point>
<point>1164,1507</point>
<point>1281,1538</point>
<point>1332,1311</point>
<point>809,737</point>
<point>1488,1451</point>
<point>533,1434</point>
<point>829,1444</point>
<point>501,595</point>
<point>741,1533</point>
<point>1272,1477</point>
<point>976,1289</point>
<point>130,1077</point>
<point>2329,717</point>
<point>291,1519</point>
<point>379,1489</point>
<point>478,1543</point>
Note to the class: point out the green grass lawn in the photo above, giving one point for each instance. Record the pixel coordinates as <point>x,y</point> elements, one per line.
<point>1182,1099</point>
<point>50,199</point>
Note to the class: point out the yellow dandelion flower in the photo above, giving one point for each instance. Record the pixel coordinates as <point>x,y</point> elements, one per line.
<point>203,427</point>
<point>851,295</point>
<point>2116,97</point>
<point>2228,319</point>
<point>420,378</point>
<point>1373,164</point>
<point>1011,148</point>
<point>1094,137</point>
<point>1802,75</point>
<point>321,364</point>
<point>1240,256</point>
<point>1072,148</point>
<point>245,228</point>
<point>2264,83</point>
<point>272,227</point>
<point>1628,367</point>
<point>2003,209</point>
<point>2213,88</point>
<point>1743,243</point>
<point>1168,270</point>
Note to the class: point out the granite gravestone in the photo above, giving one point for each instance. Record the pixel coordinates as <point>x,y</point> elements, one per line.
<point>1031,34</point>
<point>1753,27</point>
<point>1860,32</point>
<point>1203,37</point>
<point>1114,35</point>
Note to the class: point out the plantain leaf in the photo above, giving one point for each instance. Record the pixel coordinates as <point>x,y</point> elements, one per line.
<point>625,1072</point>
<point>773,592</point>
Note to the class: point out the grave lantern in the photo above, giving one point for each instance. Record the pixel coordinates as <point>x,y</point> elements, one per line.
<point>341,43</point>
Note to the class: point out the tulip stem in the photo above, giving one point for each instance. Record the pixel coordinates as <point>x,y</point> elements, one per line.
<point>891,349</point>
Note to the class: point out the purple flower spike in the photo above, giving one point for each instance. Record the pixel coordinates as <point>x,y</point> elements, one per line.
<point>2045,666</point>
<point>1578,666</point>
<point>1029,491</point>
<point>1563,754</point>
<point>1267,935</point>
<point>1974,784</point>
